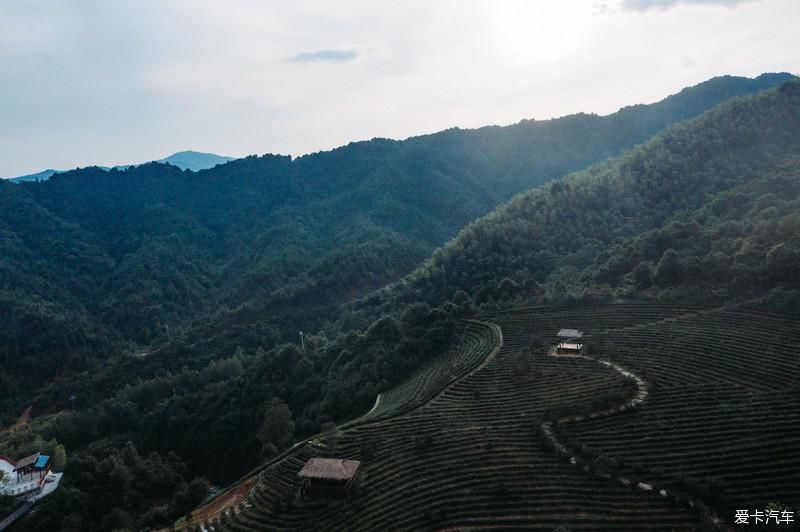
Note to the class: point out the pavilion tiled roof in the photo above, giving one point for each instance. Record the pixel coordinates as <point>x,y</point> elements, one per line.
<point>27,461</point>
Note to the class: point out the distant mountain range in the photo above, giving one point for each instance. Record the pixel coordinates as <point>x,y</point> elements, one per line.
<point>185,160</point>
<point>195,160</point>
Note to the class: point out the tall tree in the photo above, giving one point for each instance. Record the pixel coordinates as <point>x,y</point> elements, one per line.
<point>278,427</point>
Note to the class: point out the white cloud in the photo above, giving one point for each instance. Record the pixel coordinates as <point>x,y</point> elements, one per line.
<point>324,56</point>
<point>646,5</point>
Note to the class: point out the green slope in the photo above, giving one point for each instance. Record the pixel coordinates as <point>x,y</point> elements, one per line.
<point>706,211</point>
<point>247,253</point>
<point>280,241</point>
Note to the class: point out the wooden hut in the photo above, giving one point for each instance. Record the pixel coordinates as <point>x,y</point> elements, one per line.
<point>331,475</point>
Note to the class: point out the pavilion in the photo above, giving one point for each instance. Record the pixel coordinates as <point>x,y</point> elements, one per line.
<point>570,341</point>
<point>28,478</point>
<point>33,465</point>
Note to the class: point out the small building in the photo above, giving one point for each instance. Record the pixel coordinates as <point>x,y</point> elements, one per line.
<point>28,479</point>
<point>570,341</point>
<point>35,465</point>
<point>333,475</point>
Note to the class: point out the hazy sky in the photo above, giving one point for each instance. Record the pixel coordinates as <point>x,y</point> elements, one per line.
<point>111,82</point>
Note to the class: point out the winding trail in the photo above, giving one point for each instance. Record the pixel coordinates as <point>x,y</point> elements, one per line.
<point>21,421</point>
<point>642,392</point>
<point>375,406</point>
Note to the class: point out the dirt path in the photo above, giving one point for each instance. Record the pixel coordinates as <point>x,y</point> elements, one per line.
<point>229,499</point>
<point>377,402</point>
<point>21,421</point>
<point>642,391</point>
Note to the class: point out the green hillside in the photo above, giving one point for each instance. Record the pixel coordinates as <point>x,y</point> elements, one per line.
<point>475,455</point>
<point>248,253</point>
<point>657,427</point>
<point>707,211</point>
<point>174,293</point>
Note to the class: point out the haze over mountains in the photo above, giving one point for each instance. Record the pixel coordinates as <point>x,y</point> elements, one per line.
<point>185,160</point>
<point>164,300</point>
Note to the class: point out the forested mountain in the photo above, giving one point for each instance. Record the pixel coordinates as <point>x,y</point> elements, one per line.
<point>707,211</point>
<point>131,290</point>
<point>262,247</point>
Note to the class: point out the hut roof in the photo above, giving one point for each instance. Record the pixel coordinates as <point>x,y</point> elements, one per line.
<point>329,469</point>
<point>27,461</point>
<point>570,333</point>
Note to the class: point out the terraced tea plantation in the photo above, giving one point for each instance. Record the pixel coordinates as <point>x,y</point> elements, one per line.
<point>473,347</point>
<point>461,447</point>
<point>724,415</point>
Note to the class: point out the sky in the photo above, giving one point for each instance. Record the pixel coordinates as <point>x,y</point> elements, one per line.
<point>103,82</point>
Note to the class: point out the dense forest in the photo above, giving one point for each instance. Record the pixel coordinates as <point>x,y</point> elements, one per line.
<point>707,211</point>
<point>150,253</point>
<point>149,309</point>
<point>150,259</point>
